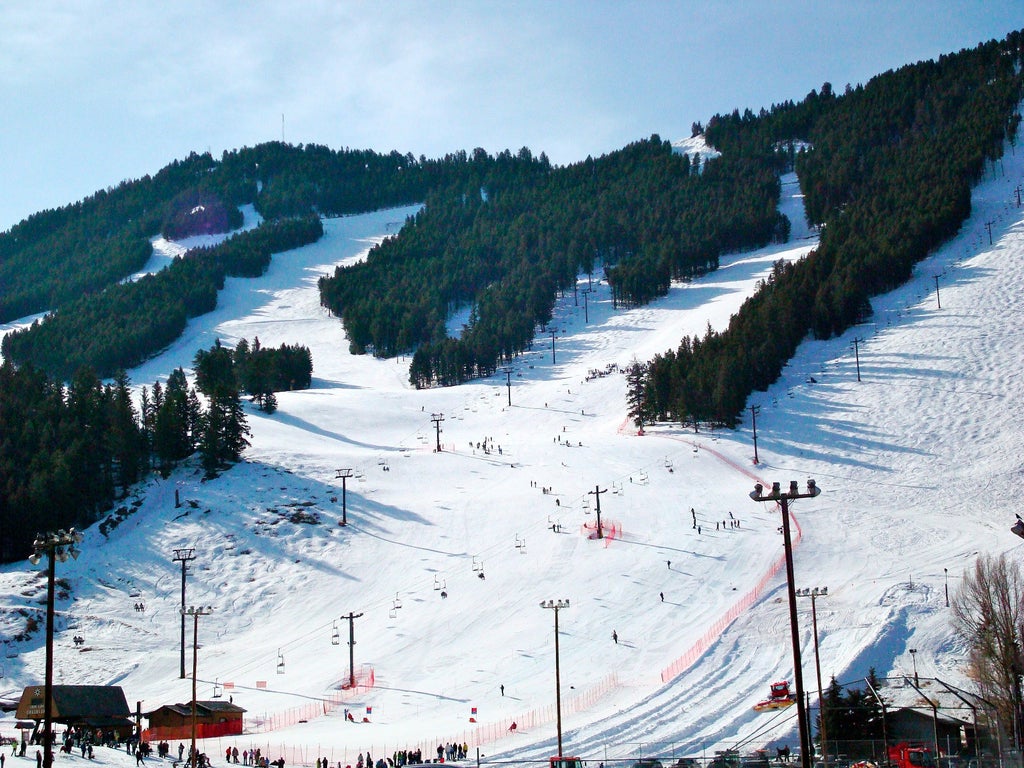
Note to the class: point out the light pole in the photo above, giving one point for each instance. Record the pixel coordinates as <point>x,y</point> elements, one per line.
<point>913,657</point>
<point>183,556</point>
<point>556,605</point>
<point>195,613</point>
<point>343,475</point>
<point>783,500</point>
<point>56,546</point>
<point>814,594</point>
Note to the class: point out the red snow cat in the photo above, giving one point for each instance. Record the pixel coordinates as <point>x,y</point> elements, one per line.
<point>778,698</point>
<point>908,755</point>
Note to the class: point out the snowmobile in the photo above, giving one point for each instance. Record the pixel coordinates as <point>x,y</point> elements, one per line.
<point>778,698</point>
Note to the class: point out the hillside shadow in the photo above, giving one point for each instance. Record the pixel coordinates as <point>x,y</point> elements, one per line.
<point>306,426</point>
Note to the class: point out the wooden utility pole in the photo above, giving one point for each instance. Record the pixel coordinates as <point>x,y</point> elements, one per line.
<point>856,354</point>
<point>596,493</point>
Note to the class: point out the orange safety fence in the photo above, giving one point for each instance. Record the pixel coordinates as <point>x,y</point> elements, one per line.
<point>262,723</point>
<point>203,731</point>
<point>474,735</point>
<point>705,641</point>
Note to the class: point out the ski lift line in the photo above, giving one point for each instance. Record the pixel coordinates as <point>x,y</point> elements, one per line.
<point>239,687</point>
<point>315,631</point>
<point>771,724</point>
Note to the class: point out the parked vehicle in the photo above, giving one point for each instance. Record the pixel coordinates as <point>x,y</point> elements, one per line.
<point>909,755</point>
<point>756,759</point>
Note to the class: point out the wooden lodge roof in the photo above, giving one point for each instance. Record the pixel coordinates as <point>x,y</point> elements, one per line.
<point>89,703</point>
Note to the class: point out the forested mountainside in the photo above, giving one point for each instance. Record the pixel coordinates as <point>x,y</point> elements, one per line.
<point>886,172</point>
<point>644,214</point>
<point>68,452</point>
<point>69,261</point>
<point>126,323</point>
<point>886,169</point>
<point>59,254</point>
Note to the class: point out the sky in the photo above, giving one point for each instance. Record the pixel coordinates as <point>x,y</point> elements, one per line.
<point>97,92</point>
<point>911,436</point>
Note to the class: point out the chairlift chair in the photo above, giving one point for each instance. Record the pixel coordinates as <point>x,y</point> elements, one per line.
<point>335,635</point>
<point>280,662</point>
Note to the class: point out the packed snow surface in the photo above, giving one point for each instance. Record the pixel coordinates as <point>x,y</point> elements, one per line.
<point>905,422</point>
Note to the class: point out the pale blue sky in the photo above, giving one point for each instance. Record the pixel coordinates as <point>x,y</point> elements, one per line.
<point>95,92</point>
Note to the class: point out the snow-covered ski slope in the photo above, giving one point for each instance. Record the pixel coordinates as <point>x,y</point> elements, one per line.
<point>919,463</point>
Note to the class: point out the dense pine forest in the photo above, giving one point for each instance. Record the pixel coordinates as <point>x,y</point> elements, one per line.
<point>67,452</point>
<point>886,173</point>
<point>518,231</point>
<point>886,169</point>
<point>71,261</point>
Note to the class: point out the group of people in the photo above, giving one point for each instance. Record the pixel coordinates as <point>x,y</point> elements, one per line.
<point>487,446</point>
<point>402,757</point>
<point>253,757</point>
<point>85,739</point>
<point>450,752</point>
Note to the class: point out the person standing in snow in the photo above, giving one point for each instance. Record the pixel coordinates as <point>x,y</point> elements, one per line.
<point>615,636</point>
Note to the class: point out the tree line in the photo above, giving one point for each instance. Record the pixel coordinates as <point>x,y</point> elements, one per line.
<point>129,322</point>
<point>68,452</point>
<point>886,171</point>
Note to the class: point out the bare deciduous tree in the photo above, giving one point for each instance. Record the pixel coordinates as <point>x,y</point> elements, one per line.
<point>988,615</point>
